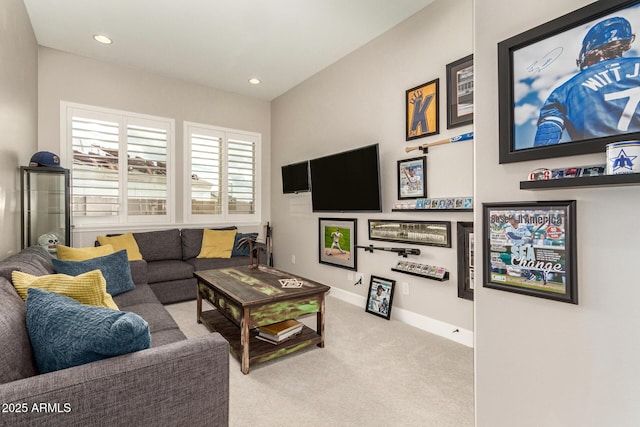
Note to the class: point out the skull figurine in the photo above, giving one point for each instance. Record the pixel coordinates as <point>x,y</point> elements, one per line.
<point>48,241</point>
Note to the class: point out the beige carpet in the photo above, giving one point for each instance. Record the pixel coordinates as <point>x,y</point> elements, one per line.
<point>371,372</point>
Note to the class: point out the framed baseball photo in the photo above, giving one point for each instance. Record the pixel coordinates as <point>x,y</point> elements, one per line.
<point>460,92</point>
<point>380,297</point>
<point>412,178</point>
<point>422,118</point>
<point>530,248</point>
<point>570,86</point>
<point>338,240</point>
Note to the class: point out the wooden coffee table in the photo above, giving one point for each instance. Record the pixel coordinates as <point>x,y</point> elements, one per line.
<point>247,298</point>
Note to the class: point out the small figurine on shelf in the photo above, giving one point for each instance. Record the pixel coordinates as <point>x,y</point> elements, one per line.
<point>49,241</point>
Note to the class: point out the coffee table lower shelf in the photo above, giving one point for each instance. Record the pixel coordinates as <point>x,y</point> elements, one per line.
<point>259,351</point>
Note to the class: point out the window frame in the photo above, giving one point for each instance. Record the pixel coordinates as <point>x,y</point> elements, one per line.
<point>226,134</point>
<point>124,119</point>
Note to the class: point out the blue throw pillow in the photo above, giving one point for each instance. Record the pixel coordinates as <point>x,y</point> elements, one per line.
<point>244,250</point>
<point>66,333</point>
<point>114,267</point>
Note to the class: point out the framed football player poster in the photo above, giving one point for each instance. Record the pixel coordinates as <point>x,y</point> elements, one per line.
<point>572,85</point>
<point>530,248</point>
<point>338,240</point>
<point>422,110</point>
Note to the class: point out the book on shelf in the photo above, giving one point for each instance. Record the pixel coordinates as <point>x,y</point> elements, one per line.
<point>280,331</point>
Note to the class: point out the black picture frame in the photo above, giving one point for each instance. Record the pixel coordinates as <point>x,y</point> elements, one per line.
<point>460,92</point>
<point>338,250</point>
<point>466,260</point>
<point>428,233</point>
<point>412,178</point>
<point>380,296</point>
<point>530,248</point>
<point>534,63</point>
<point>422,110</point>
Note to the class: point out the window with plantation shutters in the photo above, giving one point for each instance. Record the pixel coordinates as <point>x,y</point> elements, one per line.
<point>222,166</point>
<point>119,166</point>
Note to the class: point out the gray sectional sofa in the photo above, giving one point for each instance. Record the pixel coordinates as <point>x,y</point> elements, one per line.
<point>176,382</point>
<point>170,258</point>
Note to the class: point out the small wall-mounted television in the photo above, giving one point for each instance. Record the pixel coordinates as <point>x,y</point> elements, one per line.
<point>295,178</point>
<point>347,182</point>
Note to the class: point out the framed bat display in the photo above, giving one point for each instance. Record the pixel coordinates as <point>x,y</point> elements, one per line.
<point>570,86</point>
<point>530,248</point>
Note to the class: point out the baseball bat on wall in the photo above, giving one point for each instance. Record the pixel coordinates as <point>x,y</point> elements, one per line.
<point>464,137</point>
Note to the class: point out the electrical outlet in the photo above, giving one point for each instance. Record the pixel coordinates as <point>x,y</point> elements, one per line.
<point>293,259</point>
<point>405,288</point>
<point>350,276</point>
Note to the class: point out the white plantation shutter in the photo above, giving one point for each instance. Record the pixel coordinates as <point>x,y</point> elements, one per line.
<point>120,167</point>
<point>206,176</point>
<point>223,169</point>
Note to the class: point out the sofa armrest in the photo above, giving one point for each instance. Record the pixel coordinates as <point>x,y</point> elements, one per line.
<point>183,383</point>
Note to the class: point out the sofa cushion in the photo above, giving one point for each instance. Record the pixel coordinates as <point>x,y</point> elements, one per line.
<point>88,288</point>
<point>66,333</point>
<point>16,357</point>
<point>159,245</point>
<point>114,267</point>
<point>192,240</point>
<point>80,254</point>
<point>33,260</point>
<point>162,271</point>
<point>123,241</point>
<point>244,249</point>
<point>217,243</point>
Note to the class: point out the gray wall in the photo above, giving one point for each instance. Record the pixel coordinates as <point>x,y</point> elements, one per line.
<point>359,101</point>
<point>18,113</point>
<point>72,78</point>
<point>540,362</point>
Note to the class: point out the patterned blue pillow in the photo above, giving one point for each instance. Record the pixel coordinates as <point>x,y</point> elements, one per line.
<point>244,250</point>
<point>114,267</point>
<point>66,333</point>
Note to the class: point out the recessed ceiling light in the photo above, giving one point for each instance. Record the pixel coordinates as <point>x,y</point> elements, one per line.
<point>102,39</point>
<point>254,81</point>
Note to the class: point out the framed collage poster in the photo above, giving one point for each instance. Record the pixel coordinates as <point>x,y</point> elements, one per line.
<point>460,92</point>
<point>567,87</point>
<point>530,248</point>
<point>412,178</point>
<point>338,239</point>
<point>422,110</point>
<point>380,297</point>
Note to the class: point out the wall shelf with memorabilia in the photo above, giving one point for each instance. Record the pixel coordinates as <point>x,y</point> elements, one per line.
<point>431,210</point>
<point>583,181</point>
<point>431,272</point>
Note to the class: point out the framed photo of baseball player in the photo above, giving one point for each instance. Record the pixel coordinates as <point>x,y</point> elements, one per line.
<point>338,240</point>
<point>412,178</point>
<point>530,248</point>
<point>460,92</point>
<point>423,112</point>
<point>570,86</point>
<point>380,297</point>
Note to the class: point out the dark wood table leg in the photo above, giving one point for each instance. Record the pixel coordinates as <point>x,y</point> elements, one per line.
<point>244,340</point>
<point>198,306</point>
<point>320,322</point>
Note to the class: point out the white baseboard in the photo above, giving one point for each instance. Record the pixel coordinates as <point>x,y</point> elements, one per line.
<point>437,327</point>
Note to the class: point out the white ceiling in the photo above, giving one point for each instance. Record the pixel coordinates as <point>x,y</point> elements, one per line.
<point>219,43</point>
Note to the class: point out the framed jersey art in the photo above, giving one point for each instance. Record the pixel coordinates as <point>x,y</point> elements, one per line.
<point>572,85</point>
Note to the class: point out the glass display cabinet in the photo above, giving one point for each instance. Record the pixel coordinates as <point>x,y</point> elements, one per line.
<point>45,198</point>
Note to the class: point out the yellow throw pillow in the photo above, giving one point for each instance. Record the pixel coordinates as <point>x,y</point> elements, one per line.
<point>88,288</point>
<point>82,254</point>
<point>217,243</point>
<point>123,241</point>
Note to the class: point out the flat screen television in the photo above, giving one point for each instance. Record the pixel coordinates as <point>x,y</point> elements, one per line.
<point>347,182</point>
<point>295,177</point>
